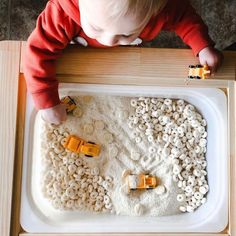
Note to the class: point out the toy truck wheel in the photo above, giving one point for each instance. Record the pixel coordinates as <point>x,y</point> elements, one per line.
<point>197,77</point>
<point>149,188</point>
<point>91,142</point>
<point>88,156</point>
<point>191,77</point>
<point>191,66</point>
<point>199,66</point>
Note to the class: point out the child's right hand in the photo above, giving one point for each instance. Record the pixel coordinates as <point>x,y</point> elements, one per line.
<point>54,115</point>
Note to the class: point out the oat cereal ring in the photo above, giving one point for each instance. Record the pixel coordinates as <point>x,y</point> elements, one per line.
<point>100,180</point>
<point>84,185</point>
<point>97,208</point>
<point>133,102</point>
<point>98,205</point>
<point>105,184</point>
<point>177,169</point>
<point>108,206</point>
<point>74,155</point>
<point>95,179</point>
<point>64,197</point>
<point>154,101</point>
<point>182,208</point>
<point>77,112</point>
<point>60,176</point>
<point>94,171</point>
<point>74,185</point>
<point>108,138</point>
<point>95,185</point>
<point>150,138</point>
<point>99,124</point>
<point>70,204</point>
<point>188,189</point>
<point>70,192</point>
<point>78,162</point>
<point>64,185</point>
<point>152,149</point>
<point>80,171</point>
<point>94,195</point>
<point>142,127</point>
<point>50,192</point>
<point>160,189</point>
<point>180,197</point>
<point>131,117</point>
<point>90,188</point>
<point>57,203</point>
<point>100,199</point>
<point>113,151</point>
<point>72,169</point>
<point>190,209</point>
<point>63,169</point>
<point>198,195</point>
<point>84,197</point>
<point>138,139</point>
<point>59,138</point>
<point>106,199</point>
<point>58,149</point>
<point>135,156</point>
<point>203,190</point>
<point>101,189</point>
<point>88,128</point>
<point>63,154</point>
<point>65,134</point>
<point>109,179</point>
<point>56,132</point>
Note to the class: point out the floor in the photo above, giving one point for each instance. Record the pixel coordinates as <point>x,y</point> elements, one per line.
<point>18,18</point>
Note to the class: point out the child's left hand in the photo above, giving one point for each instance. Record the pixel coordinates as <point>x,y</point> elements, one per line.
<point>212,57</point>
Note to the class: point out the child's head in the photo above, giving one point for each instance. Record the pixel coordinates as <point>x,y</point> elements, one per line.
<point>117,22</point>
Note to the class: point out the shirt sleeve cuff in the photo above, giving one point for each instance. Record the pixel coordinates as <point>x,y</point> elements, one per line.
<point>198,41</point>
<point>46,99</point>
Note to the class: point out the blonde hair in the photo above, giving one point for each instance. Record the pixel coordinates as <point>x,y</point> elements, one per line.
<point>141,9</point>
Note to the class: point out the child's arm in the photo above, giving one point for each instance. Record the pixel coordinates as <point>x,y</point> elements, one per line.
<point>53,32</point>
<point>183,19</point>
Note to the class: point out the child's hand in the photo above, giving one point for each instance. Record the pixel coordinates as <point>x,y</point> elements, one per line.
<point>54,115</point>
<point>212,57</point>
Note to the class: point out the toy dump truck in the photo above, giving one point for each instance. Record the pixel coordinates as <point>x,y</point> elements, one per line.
<point>139,181</point>
<point>198,72</point>
<point>78,145</point>
<point>70,103</point>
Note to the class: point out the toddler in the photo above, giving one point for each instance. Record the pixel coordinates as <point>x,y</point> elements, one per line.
<point>105,23</point>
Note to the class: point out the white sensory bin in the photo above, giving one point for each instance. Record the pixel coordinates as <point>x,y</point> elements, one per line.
<point>38,216</point>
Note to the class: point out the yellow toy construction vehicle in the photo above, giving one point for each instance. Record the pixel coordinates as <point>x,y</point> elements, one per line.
<point>78,145</point>
<point>139,181</point>
<point>198,72</point>
<point>69,102</point>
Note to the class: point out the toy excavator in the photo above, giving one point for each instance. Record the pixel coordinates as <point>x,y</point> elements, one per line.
<point>198,72</point>
<point>139,181</point>
<point>78,145</point>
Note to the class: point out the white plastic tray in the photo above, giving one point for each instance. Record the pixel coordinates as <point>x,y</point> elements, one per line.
<point>38,216</point>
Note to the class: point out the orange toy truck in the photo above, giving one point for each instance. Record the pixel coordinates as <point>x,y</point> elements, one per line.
<point>69,102</point>
<point>78,145</point>
<point>198,72</point>
<point>141,181</point>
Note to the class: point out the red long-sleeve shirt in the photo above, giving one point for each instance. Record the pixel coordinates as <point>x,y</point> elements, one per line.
<point>59,23</point>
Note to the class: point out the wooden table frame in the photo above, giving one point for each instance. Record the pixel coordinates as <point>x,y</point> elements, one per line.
<point>139,66</point>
